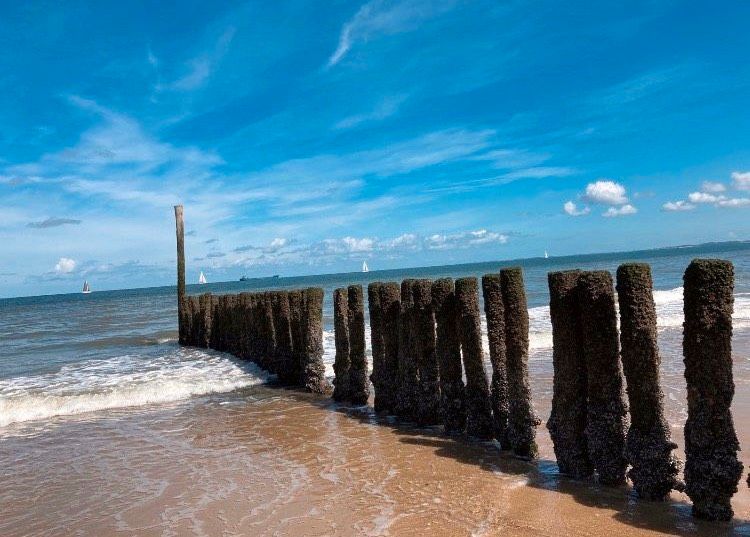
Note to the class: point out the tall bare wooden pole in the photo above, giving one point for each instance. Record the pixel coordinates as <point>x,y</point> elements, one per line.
<point>180,225</point>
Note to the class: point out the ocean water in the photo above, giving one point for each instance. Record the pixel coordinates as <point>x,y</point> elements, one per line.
<point>65,355</point>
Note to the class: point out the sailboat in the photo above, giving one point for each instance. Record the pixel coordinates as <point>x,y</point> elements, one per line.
<point>202,278</point>
<point>86,288</point>
<point>546,255</point>
<point>365,268</point>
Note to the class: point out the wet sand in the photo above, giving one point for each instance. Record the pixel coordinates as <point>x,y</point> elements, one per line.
<point>268,461</point>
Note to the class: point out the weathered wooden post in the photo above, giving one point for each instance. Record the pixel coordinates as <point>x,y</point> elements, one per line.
<point>407,367</point>
<point>448,352</point>
<point>359,384</point>
<point>479,421</point>
<point>204,333</point>
<point>313,369</point>
<point>494,312</point>
<point>266,337</point>
<point>712,470</point>
<point>374,291</point>
<point>341,362</point>
<point>191,310</point>
<point>180,229</point>
<point>649,445</point>
<point>606,410</point>
<point>567,421</point>
<point>296,301</point>
<point>428,395</point>
<point>283,333</point>
<point>522,421</point>
<point>390,306</point>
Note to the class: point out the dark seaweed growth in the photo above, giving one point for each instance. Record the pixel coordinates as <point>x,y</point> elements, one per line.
<point>390,305</point>
<point>428,394</point>
<point>607,410</point>
<point>408,380</point>
<point>341,328</point>
<point>495,313</point>
<point>479,421</point>
<point>448,353</point>
<point>522,421</point>
<point>359,384</point>
<point>712,470</point>
<point>649,445</point>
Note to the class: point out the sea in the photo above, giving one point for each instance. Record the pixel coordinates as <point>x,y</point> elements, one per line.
<point>109,427</point>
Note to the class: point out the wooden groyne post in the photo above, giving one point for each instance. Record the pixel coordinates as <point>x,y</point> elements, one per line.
<point>479,422</point>
<point>649,445</point>
<point>607,410</point>
<point>494,312</point>
<point>712,470</point>
<point>180,230</point>
<point>428,393</point>
<point>359,385</point>
<point>341,361</point>
<point>567,421</point>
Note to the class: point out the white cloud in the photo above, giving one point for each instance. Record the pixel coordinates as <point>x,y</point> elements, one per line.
<point>741,180</point>
<point>385,109</point>
<point>734,202</point>
<point>65,265</point>
<point>681,205</point>
<point>607,192</point>
<point>572,209</point>
<point>624,210</point>
<point>463,240</point>
<point>381,17</point>
<point>704,197</point>
<point>713,187</point>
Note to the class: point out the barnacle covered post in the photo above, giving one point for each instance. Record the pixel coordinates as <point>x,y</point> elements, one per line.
<point>478,410</point>
<point>495,315</point>
<point>567,421</point>
<point>374,291</point>
<point>407,367</point>
<point>341,361</point>
<point>522,421</point>
<point>390,307</point>
<point>448,353</point>
<point>712,470</point>
<point>428,394</point>
<point>359,385</point>
<point>606,408</point>
<point>649,445</point>
<point>312,367</point>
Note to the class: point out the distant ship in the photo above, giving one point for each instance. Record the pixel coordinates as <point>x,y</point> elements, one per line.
<point>202,278</point>
<point>246,279</point>
<point>365,268</point>
<point>86,288</point>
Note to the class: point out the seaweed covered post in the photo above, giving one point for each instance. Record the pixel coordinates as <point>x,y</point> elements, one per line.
<point>359,387</point>
<point>390,307</point>
<point>522,421</point>
<point>649,445</point>
<point>341,334</point>
<point>606,410</point>
<point>567,421</point>
<point>479,421</point>
<point>313,369</point>
<point>448,353</point>
<point>407,367</point>
<point>494,312</point>
<point>266,338</point>
<point>191,312</point>
<point>712,470</point>
<point>180,232</point>
<point>283,334</point>
<point>296,301</point>
<point>204,320</point>
<point>374,291</point>
<point>428,396</point>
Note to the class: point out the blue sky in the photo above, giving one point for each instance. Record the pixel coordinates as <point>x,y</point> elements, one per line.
<point>305,137</point>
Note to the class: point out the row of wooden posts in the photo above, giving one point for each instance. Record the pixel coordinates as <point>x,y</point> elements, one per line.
<point>426,339</point>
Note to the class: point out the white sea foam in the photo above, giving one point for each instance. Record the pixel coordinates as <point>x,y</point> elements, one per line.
<point>124,381</point>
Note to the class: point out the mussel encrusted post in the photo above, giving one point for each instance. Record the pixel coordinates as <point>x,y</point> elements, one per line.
<point>712,470</point>
<point>428,393</point>
<point>359,384</point>
<point>495,314</point>
<point>341,361</point>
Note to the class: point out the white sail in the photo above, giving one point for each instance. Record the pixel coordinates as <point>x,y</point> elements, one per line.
<point>546,255</point>
<point>365,268</point>
<point>202,278</point>
<point>86,288</point>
